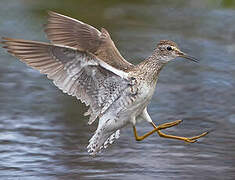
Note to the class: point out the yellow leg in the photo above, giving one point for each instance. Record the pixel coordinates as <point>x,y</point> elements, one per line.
<point>157,128</point>
<point>191,140</point>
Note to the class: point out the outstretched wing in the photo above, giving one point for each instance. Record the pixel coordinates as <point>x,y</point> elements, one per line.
<point>71,32</point>
<point>76,73</point>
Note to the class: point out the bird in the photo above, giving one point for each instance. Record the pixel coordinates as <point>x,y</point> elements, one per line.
<point>84,62</point>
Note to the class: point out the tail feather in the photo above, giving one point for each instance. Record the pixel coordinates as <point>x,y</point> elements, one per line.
<point>111,139</point>
<point>101,141</point>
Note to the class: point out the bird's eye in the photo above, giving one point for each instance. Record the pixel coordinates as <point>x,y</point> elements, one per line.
<point>169,48</point>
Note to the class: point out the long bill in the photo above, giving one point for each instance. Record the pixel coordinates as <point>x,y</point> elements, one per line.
<point>186,56</point>
<point>191,58</point>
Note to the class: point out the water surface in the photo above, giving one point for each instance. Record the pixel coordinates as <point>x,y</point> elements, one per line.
<point>43,134</point>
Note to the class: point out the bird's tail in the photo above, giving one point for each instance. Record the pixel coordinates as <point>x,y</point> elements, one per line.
<point>100,141</point>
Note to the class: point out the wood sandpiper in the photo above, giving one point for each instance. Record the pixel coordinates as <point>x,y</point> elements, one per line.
<point>84,62</point>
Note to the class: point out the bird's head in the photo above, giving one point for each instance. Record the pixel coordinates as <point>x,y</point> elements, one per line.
<point>168,50</point>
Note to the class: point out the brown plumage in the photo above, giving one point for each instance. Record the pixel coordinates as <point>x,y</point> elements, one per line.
<point>71,32</point>
<point>84,62</point>
<point>75,72</point>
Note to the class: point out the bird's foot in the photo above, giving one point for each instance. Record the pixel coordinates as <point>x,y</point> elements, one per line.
<point>189,140</point>
<point>194,138</point>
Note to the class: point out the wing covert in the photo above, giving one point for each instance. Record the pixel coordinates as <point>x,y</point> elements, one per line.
<point>71,32</point>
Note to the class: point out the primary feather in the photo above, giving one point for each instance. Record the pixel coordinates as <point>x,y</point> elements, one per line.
<point>75,72</point>
<point>64,30</point>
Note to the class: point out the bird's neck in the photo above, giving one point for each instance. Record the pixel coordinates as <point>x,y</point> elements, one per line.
<point>150,68</point>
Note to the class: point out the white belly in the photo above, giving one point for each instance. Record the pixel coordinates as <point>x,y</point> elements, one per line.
<point>144,96</point>
<point>121,113</point>
<point>130,113</point>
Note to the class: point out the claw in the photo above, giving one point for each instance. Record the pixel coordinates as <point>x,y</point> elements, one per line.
<point>179,121</point>
<point>189,140</point>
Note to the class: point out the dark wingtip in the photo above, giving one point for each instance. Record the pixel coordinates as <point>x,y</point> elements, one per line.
<point>4,41</point>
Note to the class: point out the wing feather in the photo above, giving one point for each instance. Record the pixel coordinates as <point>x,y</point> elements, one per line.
<point>71,32</point>
<point>76,73</point>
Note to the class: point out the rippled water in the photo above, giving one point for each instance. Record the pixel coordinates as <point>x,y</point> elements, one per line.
<point>43,134</point>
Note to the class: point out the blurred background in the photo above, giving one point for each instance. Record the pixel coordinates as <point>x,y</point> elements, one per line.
<point>43,134</point>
